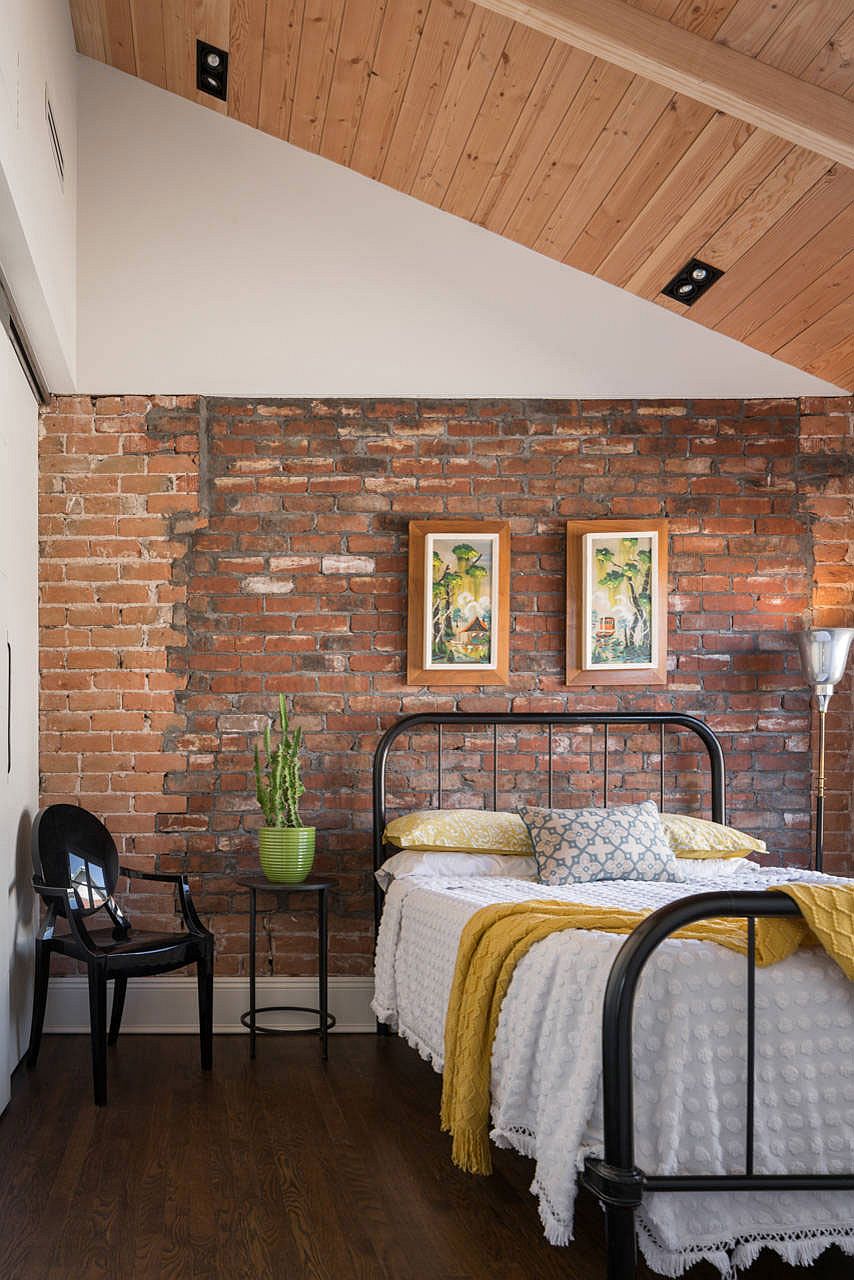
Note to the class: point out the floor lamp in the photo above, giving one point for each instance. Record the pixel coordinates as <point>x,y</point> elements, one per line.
<point>824,653</point>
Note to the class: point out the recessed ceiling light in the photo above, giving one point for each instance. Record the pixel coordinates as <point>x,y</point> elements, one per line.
<point>692,281</point>
<point>211,70</point>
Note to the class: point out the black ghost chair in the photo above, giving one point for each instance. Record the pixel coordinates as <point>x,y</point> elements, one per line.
<point>76,867</point>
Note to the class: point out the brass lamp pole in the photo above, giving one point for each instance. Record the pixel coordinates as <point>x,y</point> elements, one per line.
<point>824,653</point>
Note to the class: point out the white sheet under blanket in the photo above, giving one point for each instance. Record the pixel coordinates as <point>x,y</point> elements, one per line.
<point>690,1064</point>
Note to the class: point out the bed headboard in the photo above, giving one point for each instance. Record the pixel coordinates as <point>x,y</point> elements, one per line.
<point>548,721</point>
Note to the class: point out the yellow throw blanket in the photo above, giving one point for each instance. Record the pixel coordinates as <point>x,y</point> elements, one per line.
<point>497,937</point>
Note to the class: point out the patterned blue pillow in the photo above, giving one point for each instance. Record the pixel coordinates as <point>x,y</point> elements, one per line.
<point>626,842</point>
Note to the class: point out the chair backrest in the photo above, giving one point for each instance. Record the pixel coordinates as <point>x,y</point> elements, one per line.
<point>72,849</point>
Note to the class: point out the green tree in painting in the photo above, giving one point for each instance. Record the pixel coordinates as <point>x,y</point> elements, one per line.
<point>445,585</point>
<point>628,573</point>
<point>448,618</point>
<point>466,556</point>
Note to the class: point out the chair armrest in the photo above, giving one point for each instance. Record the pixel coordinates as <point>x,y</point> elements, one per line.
<point>74,913</point>
<point>54,891</point>
<point>185,897</point>
<point>168,877</point>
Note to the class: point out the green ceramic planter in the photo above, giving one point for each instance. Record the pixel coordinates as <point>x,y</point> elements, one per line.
<point>287,853</point>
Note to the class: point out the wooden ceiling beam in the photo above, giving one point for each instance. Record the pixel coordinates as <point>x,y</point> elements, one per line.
<point>710,73</point>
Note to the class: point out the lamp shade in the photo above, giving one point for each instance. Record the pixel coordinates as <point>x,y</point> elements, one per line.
<point>824,653</point>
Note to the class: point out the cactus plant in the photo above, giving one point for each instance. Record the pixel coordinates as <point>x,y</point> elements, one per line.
<point>279,786</point>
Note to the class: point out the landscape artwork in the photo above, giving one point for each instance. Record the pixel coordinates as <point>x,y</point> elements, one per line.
<point>620,578</point>
<point>458,628</point>
<point>461,614</point>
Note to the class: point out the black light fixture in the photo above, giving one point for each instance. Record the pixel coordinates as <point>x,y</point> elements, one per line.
<point>691,282</point>
<point>211,70</point>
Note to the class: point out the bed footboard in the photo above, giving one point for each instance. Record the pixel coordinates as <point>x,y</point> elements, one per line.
<point>614,1177</point>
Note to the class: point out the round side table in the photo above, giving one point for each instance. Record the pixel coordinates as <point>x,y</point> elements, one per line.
<point>320,885</point>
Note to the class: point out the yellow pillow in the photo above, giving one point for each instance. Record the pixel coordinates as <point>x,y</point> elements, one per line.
<point>466,830</point>
<point>698,838</point>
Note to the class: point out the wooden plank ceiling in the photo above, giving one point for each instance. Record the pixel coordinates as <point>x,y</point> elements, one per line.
<point>552,147</point>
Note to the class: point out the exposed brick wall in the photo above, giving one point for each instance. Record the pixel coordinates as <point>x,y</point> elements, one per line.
<point>118,497</point>
<point>827,488</point>
<point>170,624</point>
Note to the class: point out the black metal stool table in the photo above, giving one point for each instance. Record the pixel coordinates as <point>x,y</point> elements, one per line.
<point>314,884</point>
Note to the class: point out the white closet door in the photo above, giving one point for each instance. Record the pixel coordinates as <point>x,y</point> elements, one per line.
<point>18,703</point>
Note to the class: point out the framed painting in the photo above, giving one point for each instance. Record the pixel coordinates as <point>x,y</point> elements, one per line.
<point>459,602</point>
<point>616,616</point>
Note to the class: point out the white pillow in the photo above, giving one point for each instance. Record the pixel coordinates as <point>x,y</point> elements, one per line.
<point>713,868</point>
<point>415,862</point>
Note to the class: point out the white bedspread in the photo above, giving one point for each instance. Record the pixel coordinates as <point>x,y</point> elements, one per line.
<point>689,1064</point>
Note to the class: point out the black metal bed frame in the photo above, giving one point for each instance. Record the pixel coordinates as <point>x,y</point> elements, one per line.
<point>614,1178</point>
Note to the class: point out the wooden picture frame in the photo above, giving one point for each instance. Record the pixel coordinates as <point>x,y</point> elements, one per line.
<point>459,632</point>
<point>627,645</point>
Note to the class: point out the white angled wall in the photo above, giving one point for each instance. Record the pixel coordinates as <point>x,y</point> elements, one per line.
<point>19,783</point>
<point>215,259</point>
<point>38,214</point>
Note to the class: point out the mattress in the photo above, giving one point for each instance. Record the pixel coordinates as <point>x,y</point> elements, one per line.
<point>690,1063</point>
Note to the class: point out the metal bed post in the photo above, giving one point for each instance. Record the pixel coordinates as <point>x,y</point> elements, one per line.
<point>615,1178</point>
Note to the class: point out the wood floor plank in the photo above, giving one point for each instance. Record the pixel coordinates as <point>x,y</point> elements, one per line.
<point>256,1127</point>
<point>281,1167</point>
<point>143,1229</point>
<point>53,1167</point>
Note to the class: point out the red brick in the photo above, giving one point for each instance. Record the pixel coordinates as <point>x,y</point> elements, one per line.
<point>303,480</point>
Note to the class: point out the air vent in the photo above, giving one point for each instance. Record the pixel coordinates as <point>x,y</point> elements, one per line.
<point>55,144</point>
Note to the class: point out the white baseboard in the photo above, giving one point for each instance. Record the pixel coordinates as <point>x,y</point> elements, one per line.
<point>169,1004</point>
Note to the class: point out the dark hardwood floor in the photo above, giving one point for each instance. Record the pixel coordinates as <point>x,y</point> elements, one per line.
<point>283,1168</point>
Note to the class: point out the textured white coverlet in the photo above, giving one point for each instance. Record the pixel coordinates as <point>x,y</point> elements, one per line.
<point>690,1039</point>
